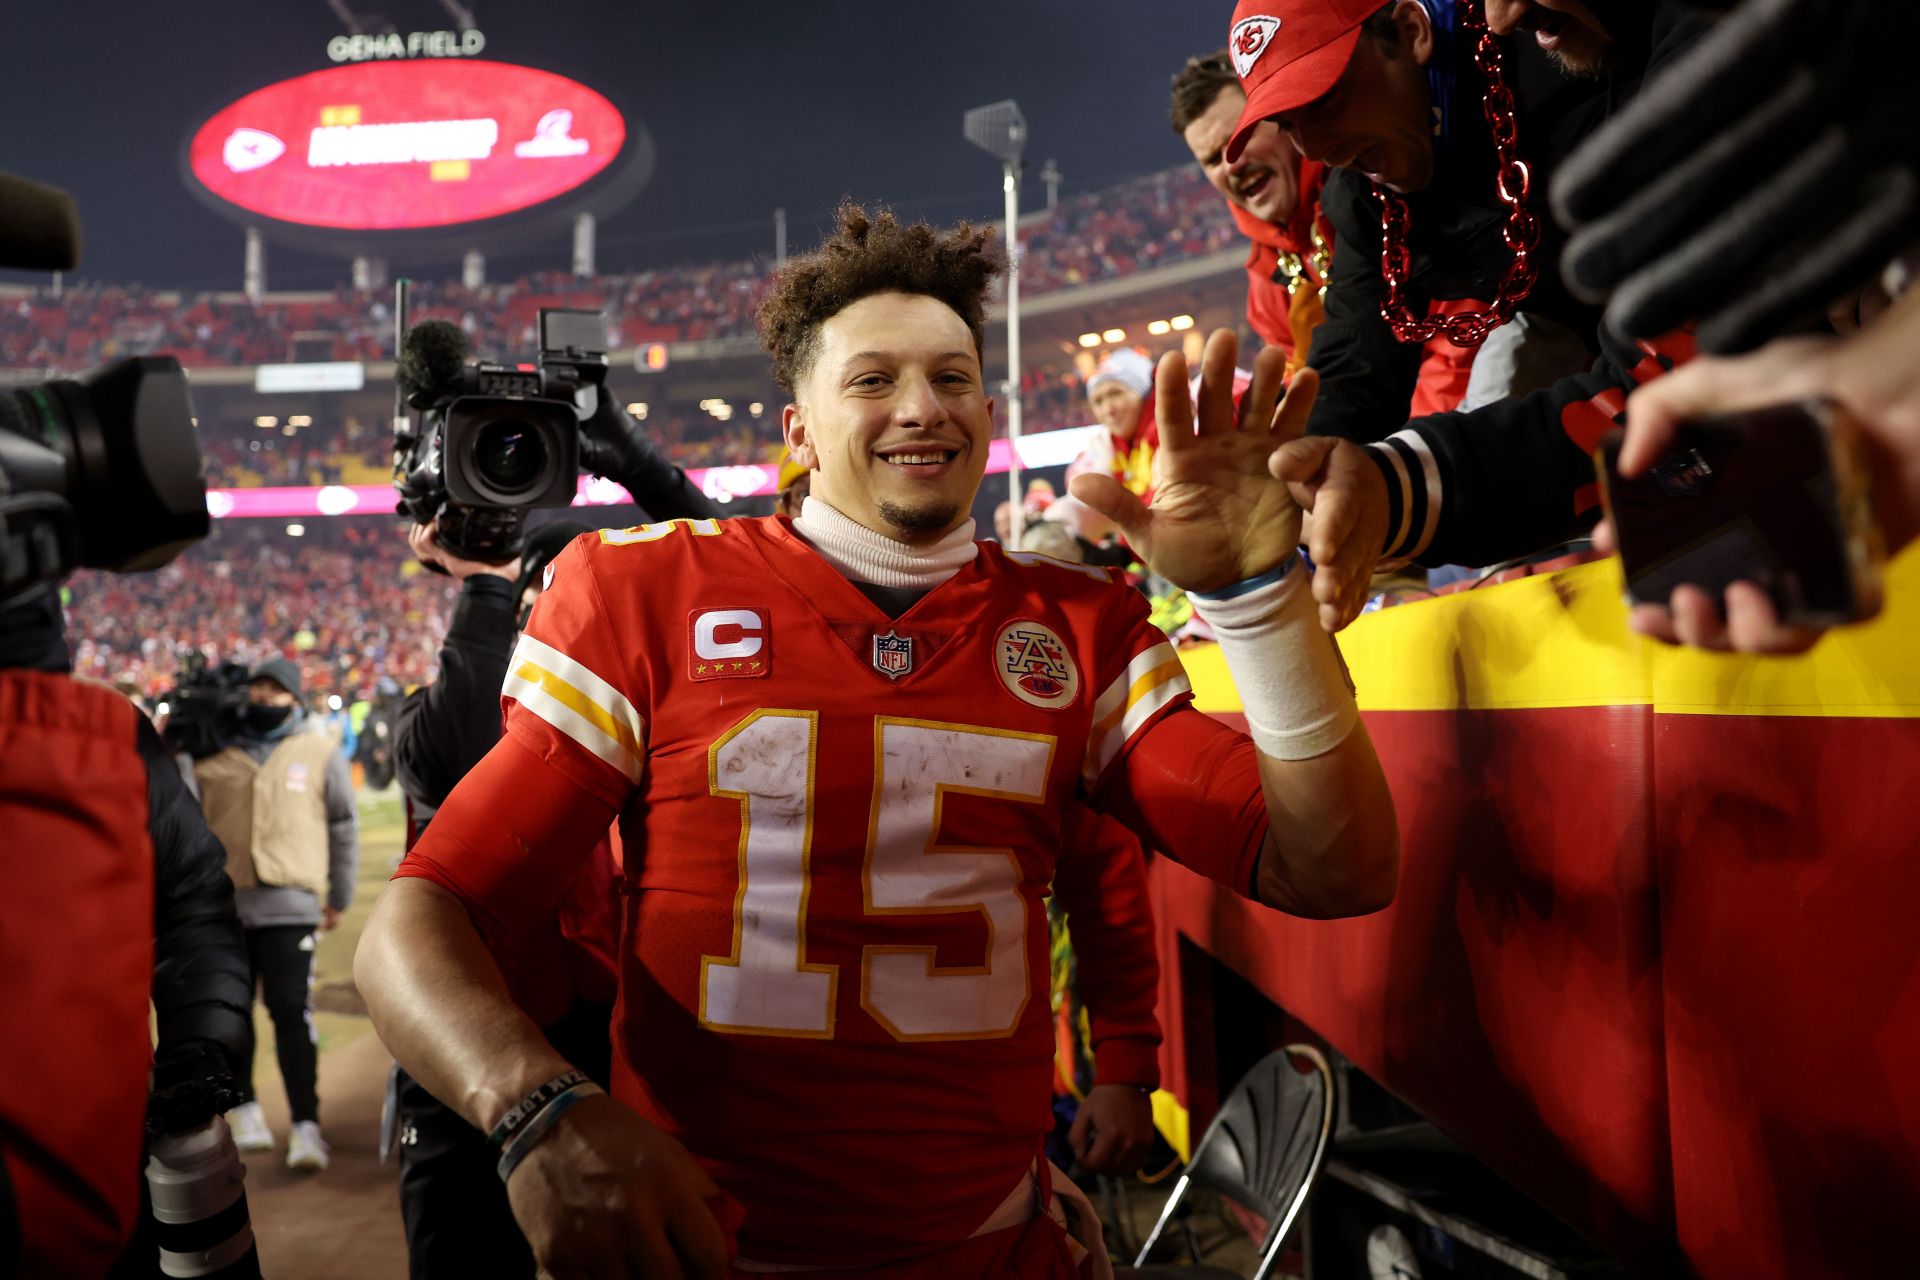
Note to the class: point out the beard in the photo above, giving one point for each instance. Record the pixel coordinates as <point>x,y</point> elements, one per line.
<point>936,517</point>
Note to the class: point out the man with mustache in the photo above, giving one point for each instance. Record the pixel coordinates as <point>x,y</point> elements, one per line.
<point>1273,194</point>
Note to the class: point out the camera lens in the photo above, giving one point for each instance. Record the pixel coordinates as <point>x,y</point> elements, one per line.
<point>510,455</point>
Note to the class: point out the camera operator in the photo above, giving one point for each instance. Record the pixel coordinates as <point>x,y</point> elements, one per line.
<point>458,1221</point>
<point>280,798</point>
<point>115,890</point>
<point>137,905</point>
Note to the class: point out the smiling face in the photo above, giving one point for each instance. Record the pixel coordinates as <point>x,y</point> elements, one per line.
<point>1566,29</point>
<point>1378,117</point>
<point>892,417</point>
<point>1265,180</point>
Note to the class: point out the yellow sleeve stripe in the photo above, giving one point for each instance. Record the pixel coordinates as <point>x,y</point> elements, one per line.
<point>1151,681</point>
<point>579,704</point>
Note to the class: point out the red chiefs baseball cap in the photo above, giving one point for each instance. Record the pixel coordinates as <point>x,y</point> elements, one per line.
<point>1289,52</point>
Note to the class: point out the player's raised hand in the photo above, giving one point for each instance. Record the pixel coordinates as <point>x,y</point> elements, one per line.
<point>1218,515</point>
<point>606,1194</point>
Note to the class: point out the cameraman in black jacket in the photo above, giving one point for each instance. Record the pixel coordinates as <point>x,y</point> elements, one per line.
<point>457,1218</point>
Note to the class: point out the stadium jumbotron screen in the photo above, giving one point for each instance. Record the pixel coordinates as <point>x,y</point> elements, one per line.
<point>391,146</point>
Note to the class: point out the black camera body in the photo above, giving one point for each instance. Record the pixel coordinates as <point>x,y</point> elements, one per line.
<point>495,440</point>
<point>101,471</point>
<point>205,706</point>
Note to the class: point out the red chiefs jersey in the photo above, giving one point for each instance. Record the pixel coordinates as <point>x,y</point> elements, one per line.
<point>839,831</point>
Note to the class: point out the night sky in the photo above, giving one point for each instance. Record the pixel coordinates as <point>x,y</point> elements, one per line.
<point>751,105</point>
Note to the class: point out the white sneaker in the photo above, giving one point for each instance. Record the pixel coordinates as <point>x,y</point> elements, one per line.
<point>307,1151</point>
<point>249,1125</point>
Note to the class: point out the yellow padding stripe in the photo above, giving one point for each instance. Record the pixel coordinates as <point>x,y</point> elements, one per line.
<point>1170,1118</point>
<point>1561,640</point>
<point>580,704</point>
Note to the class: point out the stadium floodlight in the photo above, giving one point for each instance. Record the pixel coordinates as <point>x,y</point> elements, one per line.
<point>1001,131</point>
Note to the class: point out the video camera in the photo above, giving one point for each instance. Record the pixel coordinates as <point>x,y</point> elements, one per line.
<point>493,440</point>
<point>101,471</point>
<point>204,707</point>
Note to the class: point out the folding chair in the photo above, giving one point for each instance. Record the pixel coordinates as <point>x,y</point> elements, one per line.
<point>1262,1151</point>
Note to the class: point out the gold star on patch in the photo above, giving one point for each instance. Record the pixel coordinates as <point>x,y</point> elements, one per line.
<point>755,665</point>
<point>701,669</point>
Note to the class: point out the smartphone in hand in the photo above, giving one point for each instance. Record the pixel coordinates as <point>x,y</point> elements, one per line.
<point>1776,496</point>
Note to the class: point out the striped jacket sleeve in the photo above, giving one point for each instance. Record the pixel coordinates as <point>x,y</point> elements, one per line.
<point>1515,476</point>
<point>568,695</point>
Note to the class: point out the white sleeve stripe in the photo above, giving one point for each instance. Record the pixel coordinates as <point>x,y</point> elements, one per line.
<point>1406,498</point>
<point>1430,470</point>
<point>1115,694</point>
<point>1107,740</point>
<point>583,731</point>
<point>571,698</point>
<point>591,687</point>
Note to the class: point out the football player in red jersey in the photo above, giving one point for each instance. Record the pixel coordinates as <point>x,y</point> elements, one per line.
<point>841,749</point>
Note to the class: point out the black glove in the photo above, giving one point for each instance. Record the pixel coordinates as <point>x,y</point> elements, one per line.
<point>1769,170</point>
<point>612,445</point>
<point>193,1081</point>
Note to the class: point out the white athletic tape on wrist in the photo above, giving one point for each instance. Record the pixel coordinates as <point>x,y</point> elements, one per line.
<point>1293,686</point>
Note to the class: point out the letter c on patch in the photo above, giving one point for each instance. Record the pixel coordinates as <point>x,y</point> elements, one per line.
<point>742,638</point>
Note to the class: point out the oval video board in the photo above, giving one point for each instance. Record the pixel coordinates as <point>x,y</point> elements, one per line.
<point>392,146</point>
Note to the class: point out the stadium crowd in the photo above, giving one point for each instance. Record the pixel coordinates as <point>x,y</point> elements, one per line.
<point>1133,226</point>
<point>346,601</point>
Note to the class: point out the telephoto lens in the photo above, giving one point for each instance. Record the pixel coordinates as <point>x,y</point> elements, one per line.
<point>200,1204</point>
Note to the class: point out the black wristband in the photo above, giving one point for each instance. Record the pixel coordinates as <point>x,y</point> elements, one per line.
<point>522,1112</point>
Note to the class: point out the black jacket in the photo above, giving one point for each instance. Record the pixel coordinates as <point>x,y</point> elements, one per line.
<point>1516,475</point>
<point>202,986</point>
<point>444,728</point>
<point>1367,375</point>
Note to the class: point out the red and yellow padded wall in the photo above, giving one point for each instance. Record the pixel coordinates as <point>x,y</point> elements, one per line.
<point>1656,952</point>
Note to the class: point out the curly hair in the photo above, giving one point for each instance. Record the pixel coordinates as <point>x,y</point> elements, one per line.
<point>1199,85</point>
<point>873,253</point>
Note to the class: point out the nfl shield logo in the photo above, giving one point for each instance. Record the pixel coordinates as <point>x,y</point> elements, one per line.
<point>893,655</point>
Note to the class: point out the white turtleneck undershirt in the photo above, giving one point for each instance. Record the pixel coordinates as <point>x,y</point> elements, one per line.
<point>862,555</point>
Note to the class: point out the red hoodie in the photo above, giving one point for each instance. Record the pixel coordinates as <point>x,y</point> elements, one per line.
<point>1285,315</point>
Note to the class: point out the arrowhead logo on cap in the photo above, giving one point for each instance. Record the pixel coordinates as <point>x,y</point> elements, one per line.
<point>1248,40</point>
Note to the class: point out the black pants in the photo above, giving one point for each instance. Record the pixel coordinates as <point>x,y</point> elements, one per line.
<point>455,1208</point>
<point>282,957</point>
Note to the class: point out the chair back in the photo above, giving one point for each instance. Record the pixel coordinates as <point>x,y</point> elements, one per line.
<point>1266,1146</point>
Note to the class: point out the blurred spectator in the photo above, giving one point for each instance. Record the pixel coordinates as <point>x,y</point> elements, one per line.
<point>280,799</point>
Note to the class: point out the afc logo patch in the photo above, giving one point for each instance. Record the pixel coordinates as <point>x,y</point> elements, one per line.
<point>893,655</point>
<point>1034,665</point>
<point>729,644</point>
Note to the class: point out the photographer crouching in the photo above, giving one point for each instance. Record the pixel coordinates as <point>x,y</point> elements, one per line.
<point>116,890</point>
<point>454,1206</point>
